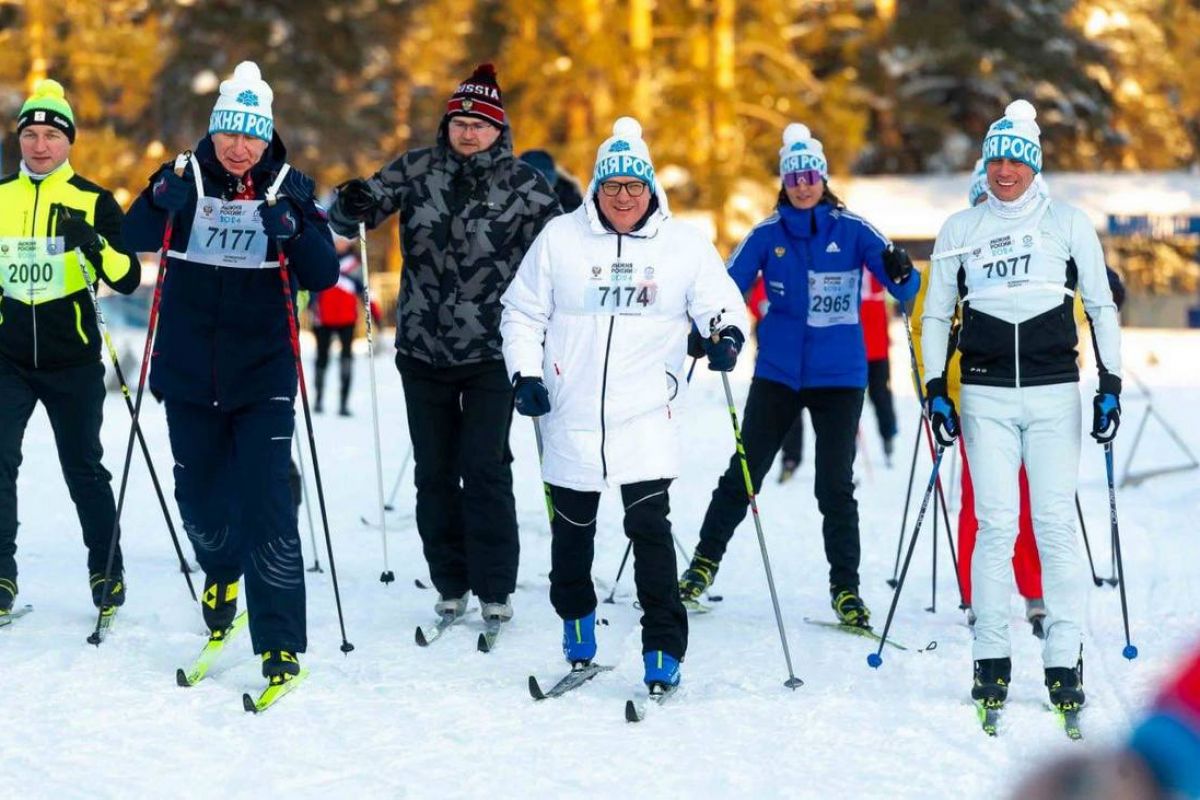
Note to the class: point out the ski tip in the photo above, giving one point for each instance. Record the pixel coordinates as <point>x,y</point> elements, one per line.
<point>1130,652</point>
<point>482,645</point>
<point>248,704</point>
<point>535,691</point>
<point>420,638</point>
<point>875,661</point>
<point>181,678</point>
<point>631,712</point>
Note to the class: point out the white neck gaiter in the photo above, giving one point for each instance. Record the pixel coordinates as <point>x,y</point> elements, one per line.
<point>1023,205</point>
<point>34,176</point>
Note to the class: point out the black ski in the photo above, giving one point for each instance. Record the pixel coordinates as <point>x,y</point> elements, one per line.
<point>659,694</point>
<point>9,617</point>
<point>487,639</point>
<point>580,674</point>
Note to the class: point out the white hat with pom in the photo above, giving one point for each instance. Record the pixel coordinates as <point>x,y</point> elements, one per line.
<point>624,155</point>
<point>1015,136</point>
<point>801,151</point>
<point>244,105</point>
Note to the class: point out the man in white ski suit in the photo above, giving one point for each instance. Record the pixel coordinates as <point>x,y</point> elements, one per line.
<point>1015,263</point>
<point>595,329</point>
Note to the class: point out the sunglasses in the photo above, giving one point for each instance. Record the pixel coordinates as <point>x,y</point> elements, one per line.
<point>807,177</point>
<point>613,188</point>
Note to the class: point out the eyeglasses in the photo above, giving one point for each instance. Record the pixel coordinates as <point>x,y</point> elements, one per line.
<point>473,127</point>
<point>632,188</point>
<point>806,177</point>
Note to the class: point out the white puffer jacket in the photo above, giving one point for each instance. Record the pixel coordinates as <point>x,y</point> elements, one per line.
<point>614,312</point>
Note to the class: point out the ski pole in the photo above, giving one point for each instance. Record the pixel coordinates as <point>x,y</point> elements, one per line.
<point>151,326</point>
<point>390,505</point>
<point>1130,651</point>
<point>912,358</point>
<point>629,545</point>
<point>875,659</point>
<point>932,609</point>
<point>112,354</point>
<point>1087,545</point>
<point>294,334</point>
<point>912,471</point>
<point>792,682</point>
<point>386,576</point>
<point>312,535</point>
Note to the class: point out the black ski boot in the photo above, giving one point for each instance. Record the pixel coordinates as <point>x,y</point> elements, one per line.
<point>116,590</point>
<point>696,579</point>
<point>8,594</point>
<point>219,605</point>
<point>1066,687</point>
<point>280,666</point>
<point>992,676</point>
<point>849,607</point>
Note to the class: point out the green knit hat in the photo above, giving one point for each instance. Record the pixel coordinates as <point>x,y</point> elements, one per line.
<point>48,106</point>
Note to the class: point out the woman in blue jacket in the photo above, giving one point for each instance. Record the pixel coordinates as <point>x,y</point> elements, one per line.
<point>811,252</point>
<point>223,359</point>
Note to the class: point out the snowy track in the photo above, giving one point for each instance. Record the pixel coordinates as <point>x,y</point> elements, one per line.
<point>390,718</point>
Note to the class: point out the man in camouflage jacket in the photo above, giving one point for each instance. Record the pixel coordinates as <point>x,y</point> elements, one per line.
<point>468,211</point>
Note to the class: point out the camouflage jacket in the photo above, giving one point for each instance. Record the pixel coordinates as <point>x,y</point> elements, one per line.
<point>465,224</point>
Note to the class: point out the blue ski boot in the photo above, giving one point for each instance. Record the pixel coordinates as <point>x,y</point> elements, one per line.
<point>661,669</point>
<point>579,639</point>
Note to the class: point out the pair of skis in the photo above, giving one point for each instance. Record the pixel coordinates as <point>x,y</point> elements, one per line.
<point>213,649</point>
<point>581,673</point>
<point>427,635</point>
<point>1068,718</point>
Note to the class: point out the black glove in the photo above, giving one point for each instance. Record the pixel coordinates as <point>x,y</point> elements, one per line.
<point>356,199</point>
<point>695,345</point>
<point>77,233</point>
<point>723,353</point>
<point>169,191</point>
<point>897,264</point>
<point>282,220</point>
<point>943,418</point>
<point>1106,409</point>
<point>530,396</point>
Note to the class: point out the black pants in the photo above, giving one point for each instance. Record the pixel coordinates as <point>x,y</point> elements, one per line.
<point>345,337</point>
<point>74,402</point>
<point>879,391</point>
<point>459,418</point>
<point>771,409</point>
<point>664,621</point>
<point>231,482</point>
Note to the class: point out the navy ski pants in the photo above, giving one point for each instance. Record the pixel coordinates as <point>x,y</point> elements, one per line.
<point>231,482</point>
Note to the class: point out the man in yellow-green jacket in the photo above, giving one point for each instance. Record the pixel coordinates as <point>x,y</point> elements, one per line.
<point>49,341</point>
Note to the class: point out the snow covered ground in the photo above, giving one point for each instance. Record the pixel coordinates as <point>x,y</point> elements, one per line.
<point>395,720</point>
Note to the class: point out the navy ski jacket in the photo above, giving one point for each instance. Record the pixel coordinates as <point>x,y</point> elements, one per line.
<point>811,261</point>
<point>223,336</point>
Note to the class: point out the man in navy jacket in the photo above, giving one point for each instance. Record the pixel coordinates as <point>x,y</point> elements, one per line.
<point>223,358</point>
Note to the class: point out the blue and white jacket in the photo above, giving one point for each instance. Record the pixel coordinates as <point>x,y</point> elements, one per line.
<point>811,261</point>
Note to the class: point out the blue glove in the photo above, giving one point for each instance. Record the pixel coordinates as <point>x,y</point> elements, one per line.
<point>723,353</point>
<point>1106,416</point>
<point>530,396</point>
<point>943,418</point>
<point>282,220</point>
<point>169,191</point>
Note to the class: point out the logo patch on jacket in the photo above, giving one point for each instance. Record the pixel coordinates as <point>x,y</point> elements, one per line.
<point>779,251</point>
<point>596,270</point>
<point>833,248</point>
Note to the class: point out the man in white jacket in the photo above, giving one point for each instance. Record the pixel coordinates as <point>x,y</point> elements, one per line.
<point>595,329</point>
<point>1015,263</point>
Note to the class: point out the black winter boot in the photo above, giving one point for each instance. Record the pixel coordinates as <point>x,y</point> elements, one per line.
<point>1066,687</point>
<point>116,590</point>
<point>280,666</point>
<point>992,676</point>
<point>219,604</point>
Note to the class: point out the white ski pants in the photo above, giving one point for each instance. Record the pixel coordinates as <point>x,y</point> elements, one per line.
<point>1039,425</point>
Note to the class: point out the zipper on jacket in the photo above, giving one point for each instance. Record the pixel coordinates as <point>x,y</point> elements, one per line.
<point>1017,355</point>
<point>604,383</point>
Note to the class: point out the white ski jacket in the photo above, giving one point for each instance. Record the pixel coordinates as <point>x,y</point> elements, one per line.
<point>604,318</point>
<point>1016,279</point>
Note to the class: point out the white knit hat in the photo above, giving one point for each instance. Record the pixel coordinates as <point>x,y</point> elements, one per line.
<point>979,182</point>
<point>1015,136</point>
<point>244,105</point>
<point>624,154</point>
<point>801,151</point>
